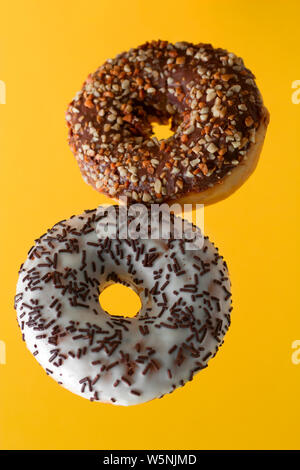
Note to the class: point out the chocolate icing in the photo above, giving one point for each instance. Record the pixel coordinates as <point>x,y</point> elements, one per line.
<point>208,95</point>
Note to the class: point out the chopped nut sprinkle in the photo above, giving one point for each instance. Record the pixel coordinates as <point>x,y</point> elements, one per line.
<point>208,95</point>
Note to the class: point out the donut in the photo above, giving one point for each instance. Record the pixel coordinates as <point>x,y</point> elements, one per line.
<point>185,313</point>
<point>216,113</point>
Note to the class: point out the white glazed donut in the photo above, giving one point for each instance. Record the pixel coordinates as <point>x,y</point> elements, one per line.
<point>186,305</point>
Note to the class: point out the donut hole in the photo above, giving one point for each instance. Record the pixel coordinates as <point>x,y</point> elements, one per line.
<point>119,300</point>
<point>162,131</point>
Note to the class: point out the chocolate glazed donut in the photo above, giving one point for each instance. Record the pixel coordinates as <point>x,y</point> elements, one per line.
<point>216,113</point>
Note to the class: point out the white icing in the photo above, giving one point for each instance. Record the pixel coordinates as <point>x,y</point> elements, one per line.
<point>36,293</point>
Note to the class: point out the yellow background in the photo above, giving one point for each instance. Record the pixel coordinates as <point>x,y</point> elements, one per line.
<point>249,395</point>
